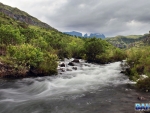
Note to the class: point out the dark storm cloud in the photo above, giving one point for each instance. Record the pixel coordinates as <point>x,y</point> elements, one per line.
<point>111,17</point>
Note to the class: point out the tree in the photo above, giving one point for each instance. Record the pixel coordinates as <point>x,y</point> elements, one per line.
<point>93,47</point>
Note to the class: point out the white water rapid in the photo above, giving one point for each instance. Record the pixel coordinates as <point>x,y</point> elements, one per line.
<point>83,90</point>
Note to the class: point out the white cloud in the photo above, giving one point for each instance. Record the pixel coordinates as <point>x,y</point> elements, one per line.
<point>134,23</point>
<point>82,6</point>
<point>112,18</point>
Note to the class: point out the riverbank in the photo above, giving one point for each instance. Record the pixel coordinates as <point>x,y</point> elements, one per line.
<point>91,88</point>
<point>9,70</point>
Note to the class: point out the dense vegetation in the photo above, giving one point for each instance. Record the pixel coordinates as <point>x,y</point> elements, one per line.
<point>137,58</point>
<point>138,61</point>
<point>126,42</point>
<point>32,50</point>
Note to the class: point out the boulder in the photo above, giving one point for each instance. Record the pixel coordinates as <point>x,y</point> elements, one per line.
<point>63,70</point>
<point>76,60</point>
<point>122,72</point>
<point>75,68</point>
<point>62,65</point>
<point>71,64</point>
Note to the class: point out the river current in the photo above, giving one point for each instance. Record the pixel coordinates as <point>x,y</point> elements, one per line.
<point>91,88</point>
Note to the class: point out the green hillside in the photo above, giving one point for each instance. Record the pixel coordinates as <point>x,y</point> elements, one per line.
<point>124,41</point>
<point>28,49</point>
<point>22,16</point>
<point>128,41</point>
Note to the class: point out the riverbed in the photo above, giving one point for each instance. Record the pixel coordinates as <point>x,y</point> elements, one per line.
<point>92,88</point>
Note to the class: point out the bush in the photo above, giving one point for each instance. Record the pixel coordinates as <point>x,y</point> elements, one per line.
<point>138,60</point>
<point>93,47</point>
<point>10,35</point>
<point>118,54</point>
<point>49,65</point>
<point>27,57</point>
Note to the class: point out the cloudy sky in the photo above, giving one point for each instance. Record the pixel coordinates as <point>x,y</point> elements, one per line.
<point>110,17</point>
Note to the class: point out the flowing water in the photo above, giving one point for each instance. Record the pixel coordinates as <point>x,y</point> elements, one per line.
<point>89,89</point>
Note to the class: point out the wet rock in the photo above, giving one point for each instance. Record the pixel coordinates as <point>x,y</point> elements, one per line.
<point>62,65</point>
<point>71,64</point>
<point>76,60</point>
<point>122,72</point>
<point>62,69</point>
<point>75,68</point>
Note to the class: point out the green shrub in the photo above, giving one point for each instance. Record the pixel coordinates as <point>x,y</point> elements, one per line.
<point>10,35</point>
<point>25,54</point>
<point>118,54</point>
<point>28,57</point>
<point>93,47</point>
<point>49,65</point>
<point>139,61</point>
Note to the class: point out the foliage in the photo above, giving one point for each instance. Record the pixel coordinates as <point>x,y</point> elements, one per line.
<point>100,51</point>
<point>10,35</point>
<point>111,55</point>
<point>49,65</point>
<point>125,42</point>
<point>25,54</point>
<point>28,56</point>
<point>93,47</point>
<point>35,49</point>
<point>138,60</point>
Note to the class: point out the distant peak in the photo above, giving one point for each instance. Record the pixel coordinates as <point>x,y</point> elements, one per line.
<point>76,33</point>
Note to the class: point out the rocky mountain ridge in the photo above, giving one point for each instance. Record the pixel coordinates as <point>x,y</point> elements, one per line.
<point>75,33</point>
<point>22,16</point>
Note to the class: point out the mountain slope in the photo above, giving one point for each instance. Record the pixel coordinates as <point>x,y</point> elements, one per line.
<point>129,41</point>
<point>33,50</point>
<point>22,16</point>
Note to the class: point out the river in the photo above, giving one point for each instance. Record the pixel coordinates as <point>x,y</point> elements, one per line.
<point>91,88</point>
